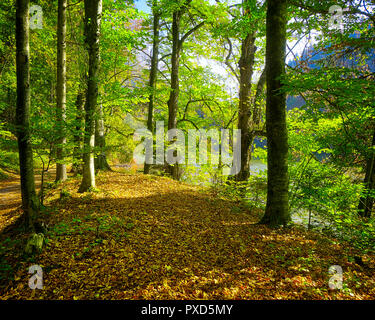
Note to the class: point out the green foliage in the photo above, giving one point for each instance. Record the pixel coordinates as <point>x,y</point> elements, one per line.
<point>329,137</point>
<point>7,245</point>
<point>101,226</point>
<point>324,169</point>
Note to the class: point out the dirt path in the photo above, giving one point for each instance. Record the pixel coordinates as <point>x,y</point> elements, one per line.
<point>10,197</point>
<point>10,201</point>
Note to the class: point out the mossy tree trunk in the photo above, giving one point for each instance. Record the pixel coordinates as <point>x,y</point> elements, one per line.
<point>367,201</point>
<point>78,134</point>
<point>277,207</point>
<point>153,73</point>
<point>177,44</point>
<point>30,202</point>
<point>175,86</point>
<point>101,162</point>
<point>249,109</point>
<point>246,66</point>
<point>93,15</point>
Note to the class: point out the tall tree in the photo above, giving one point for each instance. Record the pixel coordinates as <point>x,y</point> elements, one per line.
<point>277,207</point>
<point>246,66</point>
<point>30,201</point>
<point>250,95</point>
<point>175,86</point>
<point>101,162</point>
<point>367,201</point>
<point>76,32</point>
<point>249,107</point>
<point>177,43</point>
<point>61,174</point>
<point>78,134</point>
<point>93,15</point>
<point>153,71</point>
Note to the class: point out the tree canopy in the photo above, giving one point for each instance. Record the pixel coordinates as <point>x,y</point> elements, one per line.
<point>257,114</point>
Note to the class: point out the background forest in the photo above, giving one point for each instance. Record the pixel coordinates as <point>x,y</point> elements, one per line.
<point>78,79</point>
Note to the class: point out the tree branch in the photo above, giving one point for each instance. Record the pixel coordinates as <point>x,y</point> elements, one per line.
<point>191,31</point>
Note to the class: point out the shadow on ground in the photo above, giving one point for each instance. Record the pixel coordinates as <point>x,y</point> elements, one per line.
<point>143,237</point>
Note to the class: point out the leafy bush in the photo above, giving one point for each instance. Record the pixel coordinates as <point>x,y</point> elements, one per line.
<point>322,188</point>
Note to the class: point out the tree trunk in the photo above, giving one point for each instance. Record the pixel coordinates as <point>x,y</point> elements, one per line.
<point>153,74</point>
<point>246,65</point>
<point>277,207</point>
<point>61,174</point>
<point>101,162</point>
<point>93,15</point>
<point>367,201</point>
<point>30,202</point>
<point>78,135</point>
<point>257,106</point>
<point>173,98</point>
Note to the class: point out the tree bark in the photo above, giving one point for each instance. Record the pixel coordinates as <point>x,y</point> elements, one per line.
<point>173,98</point>
<point>93,15</point>
<point>61,174</point>
<point>257,107</point>
<point>78,134</point>
<point>249,108</point>
<point>367,201</point>
<point>153,74</point>
<point>30,202</point>
<point>101,162</point>
<point>246,66</point>
<point>277,207</point>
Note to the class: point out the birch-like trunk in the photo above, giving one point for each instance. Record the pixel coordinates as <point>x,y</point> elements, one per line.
<point>61,174</point>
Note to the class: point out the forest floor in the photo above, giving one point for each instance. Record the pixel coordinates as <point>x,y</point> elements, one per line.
<point>148,237</point>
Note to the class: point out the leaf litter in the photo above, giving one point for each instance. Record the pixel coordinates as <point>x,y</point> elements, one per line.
<point>146,237</point>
